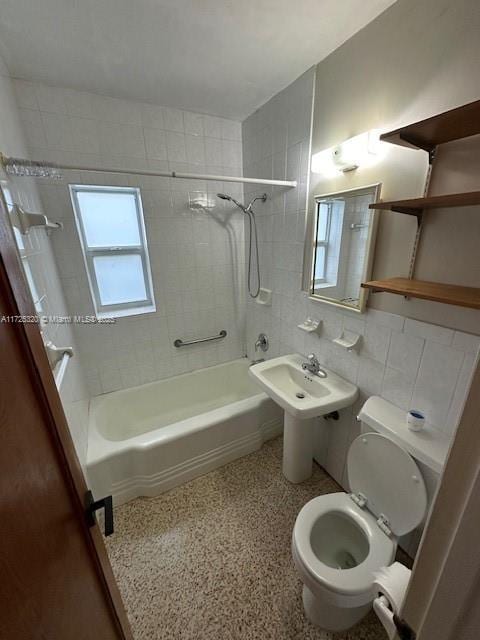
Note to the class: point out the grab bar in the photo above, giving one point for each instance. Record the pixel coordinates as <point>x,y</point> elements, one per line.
<point>61,369</point>
<point>181,343</point>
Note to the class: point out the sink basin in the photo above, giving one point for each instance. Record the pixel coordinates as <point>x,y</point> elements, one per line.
<point>300,393</point>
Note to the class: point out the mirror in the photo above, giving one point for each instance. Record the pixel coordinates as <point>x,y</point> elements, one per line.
<point>340,246</point>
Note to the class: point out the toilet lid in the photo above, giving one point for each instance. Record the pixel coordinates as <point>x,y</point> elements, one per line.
<point>389,478</point>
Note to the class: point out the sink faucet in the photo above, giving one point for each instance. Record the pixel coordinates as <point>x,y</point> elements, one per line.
<point>313,366</point>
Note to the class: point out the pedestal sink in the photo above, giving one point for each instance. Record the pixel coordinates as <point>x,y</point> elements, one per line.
<point>303,396</point>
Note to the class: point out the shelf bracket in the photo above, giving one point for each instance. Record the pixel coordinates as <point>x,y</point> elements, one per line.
<point>432,151</point>
<point>416,142</point>
<point>416,242</point>
<point>411,211</point>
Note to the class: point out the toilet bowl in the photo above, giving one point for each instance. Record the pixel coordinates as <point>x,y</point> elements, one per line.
<point>336,547</point>
<point>340,540</point>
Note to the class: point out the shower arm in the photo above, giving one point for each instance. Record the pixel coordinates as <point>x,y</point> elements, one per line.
<point>30,168</point>
<point>262,198</point>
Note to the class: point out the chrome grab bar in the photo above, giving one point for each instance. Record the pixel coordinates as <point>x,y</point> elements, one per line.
<point>181,343</point>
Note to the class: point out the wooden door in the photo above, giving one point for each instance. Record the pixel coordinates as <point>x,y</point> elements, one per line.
<point>56,582</point>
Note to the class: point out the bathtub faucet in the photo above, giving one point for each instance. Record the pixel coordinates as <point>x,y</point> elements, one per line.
<point>262,342</point>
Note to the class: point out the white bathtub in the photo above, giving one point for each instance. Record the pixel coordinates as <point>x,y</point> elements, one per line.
<point>146,440</point>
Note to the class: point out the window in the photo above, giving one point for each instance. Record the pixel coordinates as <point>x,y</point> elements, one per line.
<point>324,215</point>
<point>112,233</point>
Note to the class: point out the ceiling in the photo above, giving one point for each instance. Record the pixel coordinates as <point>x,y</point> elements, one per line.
<point>223,57</point>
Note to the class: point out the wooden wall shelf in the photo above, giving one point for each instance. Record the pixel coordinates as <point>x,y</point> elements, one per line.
<point>414,206</point>
<point>436,291</point>
<point>455,124</point>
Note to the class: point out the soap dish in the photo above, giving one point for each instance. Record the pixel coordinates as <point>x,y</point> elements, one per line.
<point>311,326</point>
<point>264,297</point>
<point>348,340</point>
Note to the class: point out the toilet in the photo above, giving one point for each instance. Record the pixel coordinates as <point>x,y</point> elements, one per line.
<point>340,540</point>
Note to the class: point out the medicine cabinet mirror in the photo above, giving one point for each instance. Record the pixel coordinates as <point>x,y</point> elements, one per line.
<point>340,243</point>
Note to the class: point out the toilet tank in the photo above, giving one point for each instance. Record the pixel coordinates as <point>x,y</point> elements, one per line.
<point>428,447</point>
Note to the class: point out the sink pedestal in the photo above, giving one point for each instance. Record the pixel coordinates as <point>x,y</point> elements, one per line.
<point>297,448</point>
<point>304,397</point>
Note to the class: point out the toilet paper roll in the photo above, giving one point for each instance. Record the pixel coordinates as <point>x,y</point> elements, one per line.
<point>392,582</point>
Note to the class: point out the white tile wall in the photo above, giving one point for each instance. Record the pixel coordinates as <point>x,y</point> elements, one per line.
<point>38,247</point>
<point>409,363</point>
<point>197,256</point>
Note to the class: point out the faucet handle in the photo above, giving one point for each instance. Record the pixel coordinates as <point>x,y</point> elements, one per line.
<point>262,342</point>
<point>312,357</point>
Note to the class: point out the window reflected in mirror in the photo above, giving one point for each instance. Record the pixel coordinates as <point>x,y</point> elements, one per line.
<point>342,238</point>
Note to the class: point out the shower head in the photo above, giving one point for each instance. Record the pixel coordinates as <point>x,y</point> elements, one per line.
<point>224,196</point>
<point>247,210</point>
<point>21,167</point>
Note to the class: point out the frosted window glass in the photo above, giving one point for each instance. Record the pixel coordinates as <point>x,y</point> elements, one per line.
<point>320,263</point>
<point>322,222</point>
<point>120,279</point>
<point>109,219</point>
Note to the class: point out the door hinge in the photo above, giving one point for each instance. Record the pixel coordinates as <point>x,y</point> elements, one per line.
<point>404,630</point>
<point>94,505</point>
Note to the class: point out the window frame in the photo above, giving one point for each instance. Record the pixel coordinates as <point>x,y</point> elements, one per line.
<point>121,309</point>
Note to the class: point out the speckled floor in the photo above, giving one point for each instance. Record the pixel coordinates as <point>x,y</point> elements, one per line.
<point>211,559</point>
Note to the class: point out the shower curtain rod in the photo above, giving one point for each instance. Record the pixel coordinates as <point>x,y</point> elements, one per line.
<point>35,168</point>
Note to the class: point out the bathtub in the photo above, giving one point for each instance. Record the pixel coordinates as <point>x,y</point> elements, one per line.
<point>148,439</point>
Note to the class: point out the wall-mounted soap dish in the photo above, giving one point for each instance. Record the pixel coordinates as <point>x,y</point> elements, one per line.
<point>311,326</point>
<point>264,297</point>
<point>348,340</point>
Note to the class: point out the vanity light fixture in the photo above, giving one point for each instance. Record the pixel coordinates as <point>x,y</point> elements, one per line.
<point>359,151</point>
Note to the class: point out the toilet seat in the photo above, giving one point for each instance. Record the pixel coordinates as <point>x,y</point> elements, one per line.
<point>387,480</point>
<point>355,582</point>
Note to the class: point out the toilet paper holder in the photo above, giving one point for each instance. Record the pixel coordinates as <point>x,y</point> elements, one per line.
<point>404,630</point>
<point>390,584</point>
<point>397,625</point>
